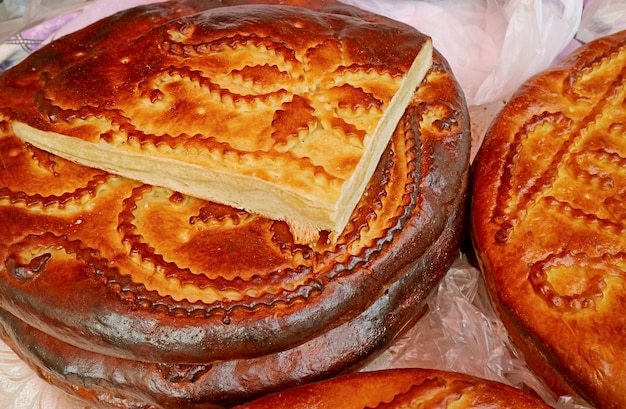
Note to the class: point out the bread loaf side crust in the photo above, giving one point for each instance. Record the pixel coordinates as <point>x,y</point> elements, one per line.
<point>106,275</point>
<point>548,220</point>
<point>400,388</point>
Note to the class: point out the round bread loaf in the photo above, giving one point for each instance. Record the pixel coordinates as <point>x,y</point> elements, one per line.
<point>130,295</point>
<point>409,388</point>
<point>549,221</point>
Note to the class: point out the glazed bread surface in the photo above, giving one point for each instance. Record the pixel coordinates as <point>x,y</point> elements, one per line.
<point>549,221</point>
<point>286,120</point>
<point>407,388</point>
<point>133,295</point>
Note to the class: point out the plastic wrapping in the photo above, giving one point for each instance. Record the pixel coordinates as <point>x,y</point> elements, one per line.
<point>601,18</point>
<point>25,25</point>
<point>17,15</point>
<point>21,388</point>
<point>492,45</point>
<point>461,332</point>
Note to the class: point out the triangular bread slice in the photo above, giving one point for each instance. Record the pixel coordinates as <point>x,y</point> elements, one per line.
<point>281,111</point>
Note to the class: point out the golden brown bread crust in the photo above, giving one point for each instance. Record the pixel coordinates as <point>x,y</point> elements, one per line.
<point>110,275</point>
<point>549,223</point>
<point>111,382</point>
<point>287,120</point>
<point>400,388</point>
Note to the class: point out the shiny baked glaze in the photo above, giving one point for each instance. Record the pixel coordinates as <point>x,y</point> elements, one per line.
<point>312,92</point>
<point>306,312</point>
<point>549,220</point>
<point>208,269</point>
<point>401,388</point>
<point>110,382</point>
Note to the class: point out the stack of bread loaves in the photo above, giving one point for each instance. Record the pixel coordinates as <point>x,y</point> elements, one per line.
<point>206,201</point>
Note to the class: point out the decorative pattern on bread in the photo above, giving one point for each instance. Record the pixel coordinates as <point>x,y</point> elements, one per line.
<point>283,120</point>
<point>132,295</point>
<point>549,221</point>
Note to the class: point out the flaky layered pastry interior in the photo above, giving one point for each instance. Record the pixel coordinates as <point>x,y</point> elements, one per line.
<point>287,121</point>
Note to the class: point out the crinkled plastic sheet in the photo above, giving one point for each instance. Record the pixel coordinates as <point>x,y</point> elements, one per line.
<point>601,18</point>
<point>17,15</point>
<point>461,332</point>
<point>492,47</point>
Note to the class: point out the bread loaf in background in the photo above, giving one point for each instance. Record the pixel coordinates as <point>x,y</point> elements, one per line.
<point>549,221</point>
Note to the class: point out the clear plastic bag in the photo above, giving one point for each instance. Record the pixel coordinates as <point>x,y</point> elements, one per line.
<point>492,45</point>
<point>26,25</point>
<point>17,15</point>
<point>461,332</point>
<point>601,18</point>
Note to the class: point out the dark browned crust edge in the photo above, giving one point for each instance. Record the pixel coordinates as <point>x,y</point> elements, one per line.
<point>116,383</point>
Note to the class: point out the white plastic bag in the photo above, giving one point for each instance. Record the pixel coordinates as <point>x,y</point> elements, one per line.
<point>461,332</point>
<point>17,15</point>
<point>601,18</point>
<point>492,45</point>
<point>25,24</point>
